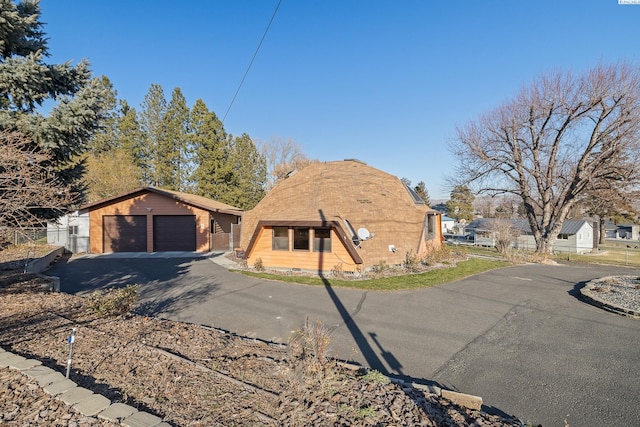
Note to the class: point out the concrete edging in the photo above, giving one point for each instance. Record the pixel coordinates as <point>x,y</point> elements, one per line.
<point>82,400</point>
<point>39,265</point>
<point>590,298</point>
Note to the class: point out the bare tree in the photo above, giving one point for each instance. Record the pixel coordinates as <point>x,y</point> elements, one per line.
<point>27,185</point>
<point>558,137</point>
<point>282,156</point>
<point>504,233</point>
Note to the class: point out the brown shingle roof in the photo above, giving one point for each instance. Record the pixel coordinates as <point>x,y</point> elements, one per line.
<point>190,199</point>
<point>346,190</point>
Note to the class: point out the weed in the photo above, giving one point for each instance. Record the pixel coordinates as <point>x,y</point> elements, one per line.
<point>113,302</point>
<point>366,411</point>
<point>380,267</point>
<point>337,271</point>
<point>411,262</point>
<point>258,265</point>
<point>309,345</point>
<point>376,377</point>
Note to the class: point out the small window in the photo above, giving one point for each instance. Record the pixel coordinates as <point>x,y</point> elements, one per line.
<point>322,240</point>
<point>301,239</point>
<point>431,226</point>
<point>563,237</point>
<point>280,239</point>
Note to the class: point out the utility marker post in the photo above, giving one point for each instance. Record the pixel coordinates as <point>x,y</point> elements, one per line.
<point>71,340</point>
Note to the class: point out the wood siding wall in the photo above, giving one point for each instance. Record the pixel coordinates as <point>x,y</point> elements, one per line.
<point>149,204</point>
<point>299,259</point>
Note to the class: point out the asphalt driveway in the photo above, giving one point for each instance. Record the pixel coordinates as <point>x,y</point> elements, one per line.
<point>519,337</point>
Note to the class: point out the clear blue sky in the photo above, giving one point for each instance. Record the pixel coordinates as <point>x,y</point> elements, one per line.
<point>386,82</point>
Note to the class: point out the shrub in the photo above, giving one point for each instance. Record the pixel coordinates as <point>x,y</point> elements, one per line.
<point>309,346</point>
<point>411,262</point>
<point>258,265</point>
<point>113,302</point>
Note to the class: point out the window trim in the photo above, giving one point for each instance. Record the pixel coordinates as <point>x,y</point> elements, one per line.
<point>308,239</point>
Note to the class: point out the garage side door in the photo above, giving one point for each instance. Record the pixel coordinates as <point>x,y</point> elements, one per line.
<point>174,233</point>
<point>124,233</point>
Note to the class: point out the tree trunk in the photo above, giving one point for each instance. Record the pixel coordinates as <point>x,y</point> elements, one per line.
<point>602,231</point>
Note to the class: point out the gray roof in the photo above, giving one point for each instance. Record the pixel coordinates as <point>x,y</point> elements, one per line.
<point>570,226</point>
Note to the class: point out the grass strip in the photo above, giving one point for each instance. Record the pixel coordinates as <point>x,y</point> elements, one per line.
<point>427,279</point>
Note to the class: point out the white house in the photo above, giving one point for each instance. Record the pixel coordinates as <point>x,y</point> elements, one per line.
<point>447,224</point>
<point>576,236</point>
<point>70,231</point>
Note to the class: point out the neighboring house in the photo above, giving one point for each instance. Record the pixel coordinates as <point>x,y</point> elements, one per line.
<point>576,236</point>
<point>70,231</point>
<point>149,219</point>
<point>339,216</point>
<point>447,224</point>
<point>622,231</point>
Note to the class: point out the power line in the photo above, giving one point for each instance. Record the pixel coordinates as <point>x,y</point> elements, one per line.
<point>252,59</point>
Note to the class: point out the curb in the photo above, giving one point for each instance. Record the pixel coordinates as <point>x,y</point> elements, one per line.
<point>590,298</point>
<point>81,399</point>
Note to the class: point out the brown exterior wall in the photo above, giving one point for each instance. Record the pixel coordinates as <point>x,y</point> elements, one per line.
<point>304,260</point>
<point>149,204</point>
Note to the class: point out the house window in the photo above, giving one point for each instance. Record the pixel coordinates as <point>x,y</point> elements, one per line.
<point>322,240</point>
<point>563,237</point>
<point>280,239</point>
<point>301,239</point>
<point>431,227</point>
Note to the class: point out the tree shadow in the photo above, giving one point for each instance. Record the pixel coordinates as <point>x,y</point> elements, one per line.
<point>162,285</point>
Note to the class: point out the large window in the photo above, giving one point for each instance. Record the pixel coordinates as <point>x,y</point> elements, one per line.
<point>301,239</point>
<point>280,239</point>
<point>322,240</point>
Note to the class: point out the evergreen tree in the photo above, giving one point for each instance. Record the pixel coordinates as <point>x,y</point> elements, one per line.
<point>421,189</point>
<point>154,107</point>
<point>111,166</point>
<point>210,151</point>
<point>27,82</point>
<point>176,150</point>
<point>460,206</point>
<point>246,186</point>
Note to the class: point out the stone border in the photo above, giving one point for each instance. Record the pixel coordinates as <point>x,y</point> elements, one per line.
<point>81,399</point>
<point>591,298</point>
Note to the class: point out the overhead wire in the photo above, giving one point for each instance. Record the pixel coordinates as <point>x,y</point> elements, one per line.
<point>252,59</point>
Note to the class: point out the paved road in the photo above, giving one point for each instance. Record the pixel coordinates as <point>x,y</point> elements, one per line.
<point>518,336</point>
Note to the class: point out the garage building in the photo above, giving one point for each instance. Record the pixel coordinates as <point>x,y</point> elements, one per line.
<point>149,219</point>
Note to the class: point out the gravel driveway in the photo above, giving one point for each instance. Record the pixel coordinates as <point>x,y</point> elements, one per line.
<point>519,337</point>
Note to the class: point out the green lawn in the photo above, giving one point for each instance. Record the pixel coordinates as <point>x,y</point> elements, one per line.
<point>409,281</point>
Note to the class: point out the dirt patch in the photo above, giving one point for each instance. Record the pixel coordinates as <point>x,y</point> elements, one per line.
<point>192,375</point>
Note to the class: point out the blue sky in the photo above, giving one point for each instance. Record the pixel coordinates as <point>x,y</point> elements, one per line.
<point>386,82</point>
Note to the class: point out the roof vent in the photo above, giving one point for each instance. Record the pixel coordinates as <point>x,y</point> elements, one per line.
<point>290,173</point>
<point>355,160</point>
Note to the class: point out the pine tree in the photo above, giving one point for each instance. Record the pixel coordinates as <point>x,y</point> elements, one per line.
<point>27,82</point>
<point>246,186</point>
<point>154,107</point>
<point>176,150</point>
<point>460,206</point>
<point>421,189</point>
<point>210,151</point>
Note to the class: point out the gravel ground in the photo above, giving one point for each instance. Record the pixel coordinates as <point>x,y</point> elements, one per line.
<point>618,291</point>
<point>191,375</point>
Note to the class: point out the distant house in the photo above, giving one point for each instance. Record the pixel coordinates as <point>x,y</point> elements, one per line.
<point>341,216</point>
<point>576,236</point>
<point>150,219</point>
<point>447,224</point>
<point>622,231</point>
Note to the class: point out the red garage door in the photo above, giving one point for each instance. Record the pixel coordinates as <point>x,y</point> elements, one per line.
<point>174,233</point>
<point>124,233</point>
